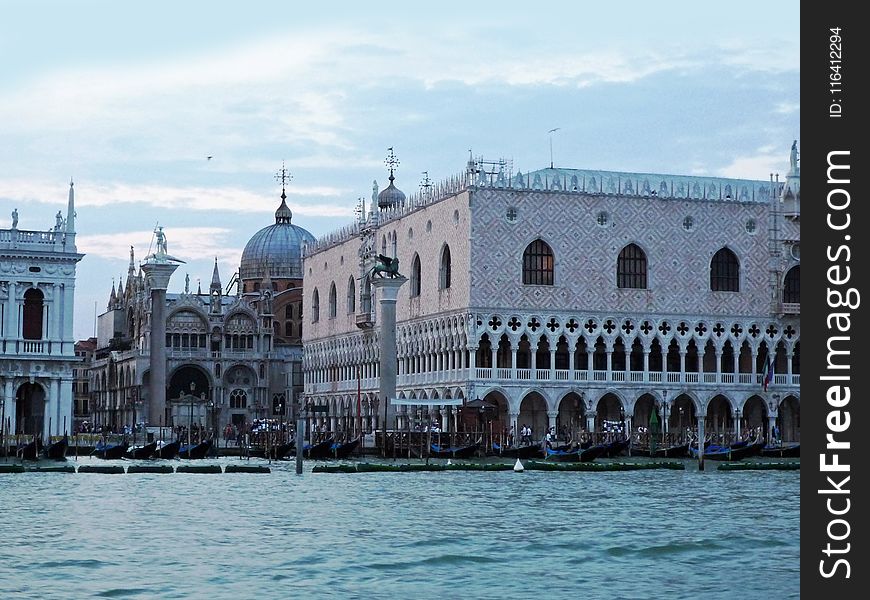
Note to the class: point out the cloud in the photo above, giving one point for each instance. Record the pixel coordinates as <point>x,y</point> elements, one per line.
<point>195,198</point>
<point>758,166</point>
<point>786,108</point>
<point>185,243</point>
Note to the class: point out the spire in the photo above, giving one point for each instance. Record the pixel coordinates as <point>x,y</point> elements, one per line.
<point>215,278</point>
<point>198,287</point>
<point>112,297</point>
<point>283,214</point>
<point>71,210</point>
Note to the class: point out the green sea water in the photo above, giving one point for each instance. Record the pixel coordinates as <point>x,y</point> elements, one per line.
<point>640,534</point>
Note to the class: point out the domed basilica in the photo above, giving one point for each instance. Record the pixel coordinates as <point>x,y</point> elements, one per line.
<point>230,357</point>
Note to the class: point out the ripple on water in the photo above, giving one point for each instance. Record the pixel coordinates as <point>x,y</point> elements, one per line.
<point>488,534</point>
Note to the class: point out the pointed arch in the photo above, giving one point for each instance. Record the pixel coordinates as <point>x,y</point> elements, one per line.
<point>631,268</point>
<point>538,263</point>
<point>416,280</point>
<point>724,271</point>
<point>351,295</point>
<point>791,289</point>
<point>444,270</point>
<point>315,306</point>
<point>333,301</point>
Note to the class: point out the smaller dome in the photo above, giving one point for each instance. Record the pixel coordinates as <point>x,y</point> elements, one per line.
<point>391,196</point>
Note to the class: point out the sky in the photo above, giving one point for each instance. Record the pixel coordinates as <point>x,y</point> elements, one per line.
<point>129,100</point>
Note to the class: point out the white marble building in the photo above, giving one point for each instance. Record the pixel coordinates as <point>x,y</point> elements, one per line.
<point>566,297</point>
<point>37,354</point>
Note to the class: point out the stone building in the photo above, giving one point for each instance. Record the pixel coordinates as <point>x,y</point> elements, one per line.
<point>84,350</point>
<point>230,358</point>
<point>37,355</point>
<point>568,298</point>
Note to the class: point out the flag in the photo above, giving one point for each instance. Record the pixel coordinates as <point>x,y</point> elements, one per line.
<point>767,373</point>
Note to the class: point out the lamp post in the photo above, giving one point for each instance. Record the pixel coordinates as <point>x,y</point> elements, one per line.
<point>3,427</point>
<point>190,415</point>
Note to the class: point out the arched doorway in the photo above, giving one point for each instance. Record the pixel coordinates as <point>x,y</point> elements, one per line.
<point>610,413</point>
<point>643,410</point>
<point>30,409</point>
<point>570,422</point>
<point>719,421</point>
<point>682,419</point>
<point>533,413</point>
<point>789,419</point>
<point>183,377</point>
<point>754,417</point>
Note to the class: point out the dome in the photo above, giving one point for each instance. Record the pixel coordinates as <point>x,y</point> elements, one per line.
<point>279,246</point>
<point>391,196</point>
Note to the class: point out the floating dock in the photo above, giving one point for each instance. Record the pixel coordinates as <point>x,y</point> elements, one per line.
<point>529,466</point>
<point>761,466</point>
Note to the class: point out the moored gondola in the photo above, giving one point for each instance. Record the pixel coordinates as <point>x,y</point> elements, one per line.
<point>455,451</point>
<point>679,451</point>
<point>141,452</point>
<point>110,451</point>
<point>577,454</point>
<point>782,451</point>
<point>31,450</point>
<point>195,451</point>
<point>343,450</point>
<point>168,451</point>
<point>525,451</point>
<point>319,451</point>
<point>729,453</point>
<point>57,450</point>
<point>614,449</point>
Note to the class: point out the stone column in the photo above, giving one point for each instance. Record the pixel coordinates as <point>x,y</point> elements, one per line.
<point>158,271</point>
<point>551,418</point>
<point>590,421</point>
<point>515,417</point>
<point>387,290</point>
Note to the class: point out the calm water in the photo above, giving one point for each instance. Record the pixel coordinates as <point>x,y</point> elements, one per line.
<point>643,534</point>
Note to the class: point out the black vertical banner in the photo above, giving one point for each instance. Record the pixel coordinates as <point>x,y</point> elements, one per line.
<point>834,538</point>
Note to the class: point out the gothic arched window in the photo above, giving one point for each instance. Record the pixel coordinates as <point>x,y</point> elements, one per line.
<point>315,306</point>
<point>791,290</point>
<point>238,399</point>
<point>631,268</point>
<point>415,277</point>
<point>444,272</point>
<point>351,295</point>
<point>333,302</point>
<point>538,264</point>
<point>724,272</point>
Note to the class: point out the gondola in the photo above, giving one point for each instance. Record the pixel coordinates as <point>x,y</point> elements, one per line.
<point>110,451</point>
<point>195,451</point>
<point>276,452</point>
<point>343,450</point>
<point>729,453</point>
<point>525,451</point>
<point>318,451</point>
<point>679,451</point>
<point>57,450</point>
<point>614,449</point>
<point>455,452</point>
<point>578,454</point>
<point>141,452</point>
<point>781,451</point>
<point>30,451</point>
<point>168,451</point>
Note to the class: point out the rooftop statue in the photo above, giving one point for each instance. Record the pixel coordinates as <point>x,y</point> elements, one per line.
<point>386,267</point>
<point>161,255</point>
<point>14,218</point>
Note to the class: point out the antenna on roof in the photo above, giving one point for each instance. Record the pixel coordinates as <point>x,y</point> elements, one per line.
<point>551,132</point>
